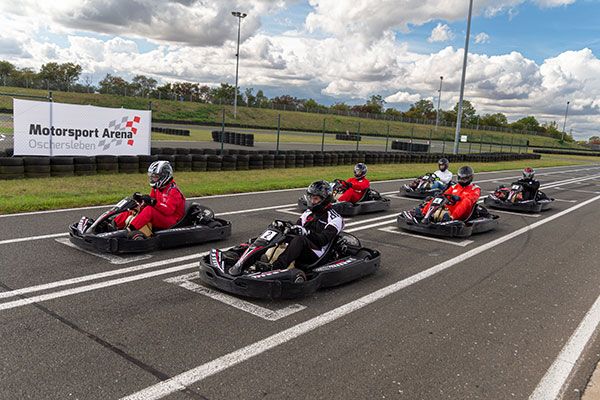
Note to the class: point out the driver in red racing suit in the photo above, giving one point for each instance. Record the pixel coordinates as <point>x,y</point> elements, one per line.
<point>163,208</point>
<point>356,186</point>
<point>463,197</point>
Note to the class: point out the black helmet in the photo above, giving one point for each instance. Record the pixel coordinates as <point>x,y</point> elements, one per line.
<point>443,162</point>
<point>360,170</point>
<point>465,175</point>
<point>321,189</point>
<point>160,173</point>
<point>528,173</point>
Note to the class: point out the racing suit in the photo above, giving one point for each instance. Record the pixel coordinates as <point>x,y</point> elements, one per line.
<point>444,178</point>
<point>462,208</point>
<point>356,191</point>
<point>321,229</point>
<point>168,210</point>
<point>530,188</point>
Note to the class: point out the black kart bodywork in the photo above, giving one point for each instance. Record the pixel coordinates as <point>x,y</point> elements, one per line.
<point>372,201</point>
<point>422,189</point>
<point>511,202</point>
<point>343,261</point>
<point>480,220</point>
<point>198,225</point>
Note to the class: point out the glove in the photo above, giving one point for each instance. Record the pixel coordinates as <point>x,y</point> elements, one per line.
<point>454,199</point>
<point>299,230</point>
<point>348,184</point>
<point>137,196</point>
<point>148,200</point>
<point>280,225</point>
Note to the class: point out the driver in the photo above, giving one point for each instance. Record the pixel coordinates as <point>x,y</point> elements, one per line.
<point>529,184</point>
<point>356,186</point>
<point>316,228</point>
<point>463,197</point>
<point>163,208</point>
<point>443,175</point>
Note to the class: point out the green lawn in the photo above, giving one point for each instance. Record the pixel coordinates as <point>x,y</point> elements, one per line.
<point>267,118</point>
<point>54,193</point>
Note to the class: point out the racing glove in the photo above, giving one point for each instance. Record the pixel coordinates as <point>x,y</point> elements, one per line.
<point>299,230</point>
<point>348,184</point>
<point>137,196</point>
<point>148,200</point>
<point>455,198</point>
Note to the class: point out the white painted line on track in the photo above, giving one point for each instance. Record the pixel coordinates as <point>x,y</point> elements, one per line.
<point>290,211</point>
<point>187,378</point>
<point>27,239</point>
<point>578,190</point>
<point>566,201</point>
<point>94,286</point>
<point>100,275</point>
<point>301,188</point>
<point>362,228</point>
<point>551,385</point>
<point>254,209</point>
<point>520,214</point>
<point>364,221</point>
<point>113,259</point>
<point>270,315</point>
<point>395,230</point>
<point>396,196</point>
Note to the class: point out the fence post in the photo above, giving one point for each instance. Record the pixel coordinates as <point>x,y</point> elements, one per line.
<point>443,145</point>
<point>502,144</point>
<point>470,143</point>
<point>323,136</point>
<point>412,135</point>
<point>358,136</point>
<point>222,131</point>
<point>511,143</point>
<point>490,145</point>
<point>387,138</point>
<point>480,143</point>
<point>51,100</point>
<point>150,105</point>
<point>430,135</point>
<point>278,131</point>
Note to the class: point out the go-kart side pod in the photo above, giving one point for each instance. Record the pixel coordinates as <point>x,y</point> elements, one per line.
<point>458,229</point>
<point>528,206</point>
<point>348,209</point>
<point>407,191</point>
<point>288,283</point>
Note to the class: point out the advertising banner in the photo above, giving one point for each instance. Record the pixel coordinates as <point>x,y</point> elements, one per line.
<point>57,129</point>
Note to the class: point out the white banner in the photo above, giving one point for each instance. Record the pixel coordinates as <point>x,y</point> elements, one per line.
<point>57,129</point>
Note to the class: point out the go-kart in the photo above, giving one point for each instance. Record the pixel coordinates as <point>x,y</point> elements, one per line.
<point>420,188</point>
<point>342,261</point>
<point>371,201</point>
<point>480,220</point>
<point>511,199</point>
<point>198,225</point>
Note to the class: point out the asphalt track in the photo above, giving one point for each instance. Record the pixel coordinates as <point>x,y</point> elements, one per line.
<point>509,314</point>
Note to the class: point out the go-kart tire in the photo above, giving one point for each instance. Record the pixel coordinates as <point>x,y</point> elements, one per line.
<point>364,254</point>
<point>85,169</point>
<point>37,161</point>
<point>61,161</point>
<point>11,169</point>
<point>62,170</point>
<point>290,161</point>
<point>11,161</point>
<point>11,176</point>
<point>298,276</point>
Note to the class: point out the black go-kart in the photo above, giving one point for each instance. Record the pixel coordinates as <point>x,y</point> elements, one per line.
<point>371,201</point>
<point>420,188</point>
<point>198,225</point>
<point>511,199</point>
<point>343,260</point>
<point>480,220</point>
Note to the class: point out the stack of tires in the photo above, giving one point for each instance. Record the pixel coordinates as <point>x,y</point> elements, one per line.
<point>229,162</point>
<point>107,164</point>
<point>83,165</point>
<point>214,162</point>
<point>11,168</point>
<point>36,167</point>
<point>129,164</point>
<point>199,162</point>
<point>62,166</point>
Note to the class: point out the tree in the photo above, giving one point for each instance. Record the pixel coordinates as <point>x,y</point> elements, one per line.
<point>25,77</point>
<point>340,107</point>
<point>223,94</point>
<point>422,109</point>
<point>392,112</point>
<point>469,114</point>
<point>497,119</point>
<point>313,105</point>
<point>143,85</point>
<point>594,140</point>
<point>526,124</point>
<point>250,97</point>
<point>113,85</point>
<point>50,74</point>
<point>262,100</point>
<point>6,69</point>
<point>69,74</point>
<point>376,104</point>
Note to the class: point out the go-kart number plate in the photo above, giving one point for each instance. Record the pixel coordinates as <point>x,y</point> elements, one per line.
<point>268,235</point>
<point>516,187</point>
<point>437,201</point>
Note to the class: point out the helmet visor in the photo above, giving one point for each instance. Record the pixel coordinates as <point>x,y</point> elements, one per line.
<point>153,178</point>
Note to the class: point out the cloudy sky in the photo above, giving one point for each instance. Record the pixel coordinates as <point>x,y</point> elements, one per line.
<point>527,57</point>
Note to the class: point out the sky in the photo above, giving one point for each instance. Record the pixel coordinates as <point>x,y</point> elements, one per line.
<point>526,57</point>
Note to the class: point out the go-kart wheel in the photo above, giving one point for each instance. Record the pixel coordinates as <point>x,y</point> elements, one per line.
<point>137,235</point>
<point>363,254</point>
<point>298,276</point>
<point>213,224</point>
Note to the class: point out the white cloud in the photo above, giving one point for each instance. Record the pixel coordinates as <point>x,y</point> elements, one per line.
<point>554,3</point>
<point>482,38</point>
<point>441,33</point>
<point>403,97</point>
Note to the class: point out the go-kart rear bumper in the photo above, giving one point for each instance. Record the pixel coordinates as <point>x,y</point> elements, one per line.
<point>347,209</point>
<point>523,206</point>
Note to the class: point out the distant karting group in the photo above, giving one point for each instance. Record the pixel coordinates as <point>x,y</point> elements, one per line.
<point>289,259</point>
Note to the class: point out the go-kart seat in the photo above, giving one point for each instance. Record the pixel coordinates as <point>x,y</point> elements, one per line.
<point>192,210</point>
<point>365,196</point>
<point>328,248</point>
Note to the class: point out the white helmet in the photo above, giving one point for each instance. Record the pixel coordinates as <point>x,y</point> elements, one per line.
<point>160,173</point>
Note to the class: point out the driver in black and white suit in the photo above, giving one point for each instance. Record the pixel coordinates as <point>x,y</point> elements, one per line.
<point>316,228</point>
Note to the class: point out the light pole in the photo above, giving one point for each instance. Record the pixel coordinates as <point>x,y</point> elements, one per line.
<point>437,116</point>
<point>462,82</point>
<point>565,123</point>
<point>239,16</point>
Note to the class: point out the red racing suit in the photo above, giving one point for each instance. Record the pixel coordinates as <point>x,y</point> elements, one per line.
<point>462,208</point>
<point>168,210</point>
<point>356,192</point>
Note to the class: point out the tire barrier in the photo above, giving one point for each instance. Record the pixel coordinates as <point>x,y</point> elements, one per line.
<point>200,160</point>
<point>349,137</point>
<point>568,152</point>
<point>171,131</point>
<point>412,147</point>
<point>240,139</point>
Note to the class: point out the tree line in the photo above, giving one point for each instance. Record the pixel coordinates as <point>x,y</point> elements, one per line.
<point>67,77</point>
